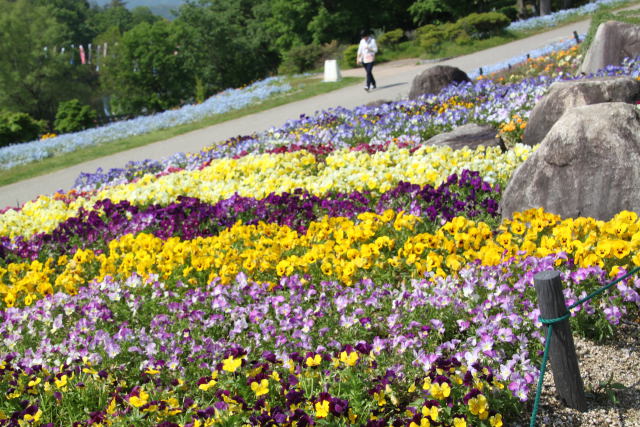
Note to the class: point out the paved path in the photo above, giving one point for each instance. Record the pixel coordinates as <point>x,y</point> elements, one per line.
<point>394,81</point>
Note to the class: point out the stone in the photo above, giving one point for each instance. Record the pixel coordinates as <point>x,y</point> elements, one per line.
<point>569,94</point>
<point>434,79</point>
<point>612,42</point>
<point>331,71</point>
<point>587,165</point>
<point>471,135</point>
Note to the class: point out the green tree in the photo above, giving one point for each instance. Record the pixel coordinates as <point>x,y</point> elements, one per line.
<point>434,11</point>
<point>33,78</point>
<point>115,14</point>
<point>223,43</point>
<point>145,72</point>
<point>75,15</point>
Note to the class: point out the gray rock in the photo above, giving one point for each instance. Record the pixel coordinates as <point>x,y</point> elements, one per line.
<point>569,94</point>
<point>612,42</point>
<point>434,79</point>
<point>470,135</point>
<point>587,165</point>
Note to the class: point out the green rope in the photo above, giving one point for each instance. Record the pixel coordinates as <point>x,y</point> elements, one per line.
<point>550,322</point>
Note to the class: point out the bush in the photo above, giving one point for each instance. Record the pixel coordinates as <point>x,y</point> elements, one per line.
<point>484,25</point>
<point>72,116</point>
<point>301,58</point>
<point>391,39</point>
<point>19,127</point>
<point>349,56</point>
<point>510,12</point>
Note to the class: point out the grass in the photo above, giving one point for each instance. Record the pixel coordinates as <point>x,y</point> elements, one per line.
<point>303,88</point>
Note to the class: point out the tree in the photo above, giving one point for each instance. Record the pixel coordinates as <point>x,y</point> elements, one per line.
<point>33,77</point>
<point>74,14</point>
<point>115,14</point>
<point>428,11</point>
<point>545,7</point>
<point>145,73</point>
<point>223,43</point>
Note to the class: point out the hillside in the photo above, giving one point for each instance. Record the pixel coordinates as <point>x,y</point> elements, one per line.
<point>158,7</point>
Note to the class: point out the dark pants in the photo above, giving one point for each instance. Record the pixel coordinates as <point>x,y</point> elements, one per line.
<point>371,82</point>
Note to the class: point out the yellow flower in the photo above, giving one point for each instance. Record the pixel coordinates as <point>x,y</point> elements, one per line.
<point>61,382</point>
<point>459,422</point>
<point>140,400</point>
<point>431,412</point>
<point>322,409</point>
<point>478,406</point>
<point>349,359</point>
<point>260,388</point>
<point>314,361</point>
<point>230,364</point>
<point>440,391</point>
<point>496,420</point>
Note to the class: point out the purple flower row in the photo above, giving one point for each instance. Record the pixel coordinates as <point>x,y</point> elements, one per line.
<point>486,315</point>
<point>189,218</point>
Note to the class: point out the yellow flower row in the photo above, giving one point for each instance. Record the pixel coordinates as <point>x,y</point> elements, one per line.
<point>259,175</point>
<point>384,247</point>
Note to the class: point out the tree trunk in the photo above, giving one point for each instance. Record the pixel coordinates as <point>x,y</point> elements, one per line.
<point>522,11</point>
<point>565,4</point>
<point>545,7</point>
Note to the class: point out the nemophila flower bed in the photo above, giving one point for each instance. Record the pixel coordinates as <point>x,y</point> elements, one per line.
<point>229,100</point>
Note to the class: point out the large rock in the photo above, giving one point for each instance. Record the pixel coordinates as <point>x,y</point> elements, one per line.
<point>470,135</point>
<point>569,94</point>
<point>587,165</point>
<point>612,42</point>
<point>434,79</point>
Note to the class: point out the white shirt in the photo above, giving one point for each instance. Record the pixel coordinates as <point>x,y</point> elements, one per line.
<point>367,50</point>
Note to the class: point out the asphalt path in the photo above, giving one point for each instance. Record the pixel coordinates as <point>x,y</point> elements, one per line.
<point>394,81</point>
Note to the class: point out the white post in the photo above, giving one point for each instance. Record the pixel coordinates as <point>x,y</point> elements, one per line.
<point>331,71</point>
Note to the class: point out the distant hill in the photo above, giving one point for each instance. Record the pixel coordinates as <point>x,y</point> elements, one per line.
<point>158,7</point>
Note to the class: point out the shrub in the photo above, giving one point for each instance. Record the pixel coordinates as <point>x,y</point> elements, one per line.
<point>72,116</point>
<point>301,58</point>
<point>510,12</point>
<point>391,39</point>
<point>19,127</point>
<point>349,56</point>
<point>484,25</point>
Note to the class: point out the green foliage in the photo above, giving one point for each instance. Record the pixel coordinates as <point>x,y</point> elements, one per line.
<point>146,73</point>
<point>224,44</point>
<point>72,116</point>
<point>510,12</point>
<point>391,39</point>
<point>19,127</point>
<point>484,25</point>
<point>301,58</point>
<point>349,56</point>
<point>34,79</point>
<point>435,11</point>
<point>602,16</point>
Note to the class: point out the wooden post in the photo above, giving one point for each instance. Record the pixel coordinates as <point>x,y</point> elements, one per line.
<point>577,37</point>
<point>562,351</point>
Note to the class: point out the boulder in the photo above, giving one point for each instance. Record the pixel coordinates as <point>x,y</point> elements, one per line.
<point>587,165</point>
<point>569,94</point>
<point>612,42</point>
<point>470,135</point>
<point>434,79</point>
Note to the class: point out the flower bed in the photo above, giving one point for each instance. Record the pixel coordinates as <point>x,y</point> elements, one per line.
<point>332,273</point>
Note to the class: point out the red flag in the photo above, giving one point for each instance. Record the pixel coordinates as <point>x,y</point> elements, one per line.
<point>82,55</point>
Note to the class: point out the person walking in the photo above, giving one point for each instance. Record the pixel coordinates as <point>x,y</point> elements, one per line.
<point>366,56</point>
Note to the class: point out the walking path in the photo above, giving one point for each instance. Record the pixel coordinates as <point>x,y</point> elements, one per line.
<point>394,81</point>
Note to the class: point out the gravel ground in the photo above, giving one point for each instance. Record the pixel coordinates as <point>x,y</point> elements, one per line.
<point>611,375</point>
